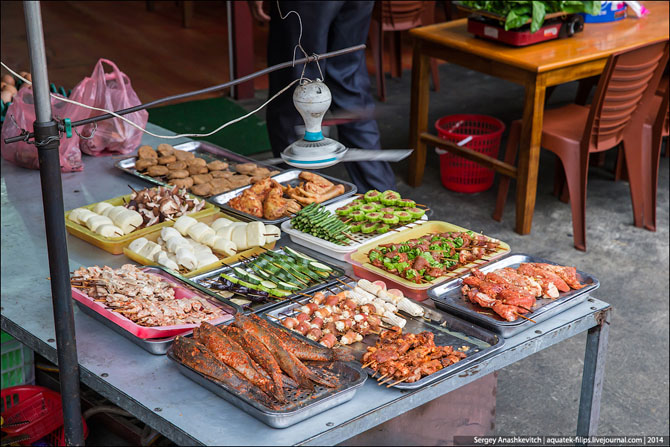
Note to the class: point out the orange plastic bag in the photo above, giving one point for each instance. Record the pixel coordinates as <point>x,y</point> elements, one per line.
<point>109,91</point>
<point>21,116</point>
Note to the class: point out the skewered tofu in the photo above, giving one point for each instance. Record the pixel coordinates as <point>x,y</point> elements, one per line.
<point>101,207</point>
<point>150,250</point>
<point>184,223</point>
<point>369,287</point>
<point>164,259</point>
<point>187,259</point>
<point>220,223</point>
<point>274,232</point>
<point>97,220</point>
<point>137,244</point>
<point>174,243</point>
<point>239,237</point>
<point>255,234</point>
<point>169,232</point>
<point>128,220</point>
<point>84,215</point>
<point>109,230</point>
<point>115,213</point>
<point>225,232</point>
<point>199,231</point>
<point>205,259</point>
<point>210,239</point>
<point>224,246</point>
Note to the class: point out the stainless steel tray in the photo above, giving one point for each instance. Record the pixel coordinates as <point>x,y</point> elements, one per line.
<point>202,149</point>
<point>448,330</point>
<point>285,178</point>
<point>159,346</point>
<point>448,297</point>
<point>201,280</point>
<point>302,406</point>
<point>156,346</point>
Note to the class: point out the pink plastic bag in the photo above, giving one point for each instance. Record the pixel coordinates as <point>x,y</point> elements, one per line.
<point>21,115</point>
<point>110,91</point>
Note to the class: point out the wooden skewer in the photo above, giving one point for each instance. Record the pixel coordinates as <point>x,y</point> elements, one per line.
<point>304,294</point>
<point>347,285</point>
<point>368,364</point>
<point>525,318</point>
<point>524,308</point>
<point>388,379</point>
<point>395,383</point>
<point>381,377</point>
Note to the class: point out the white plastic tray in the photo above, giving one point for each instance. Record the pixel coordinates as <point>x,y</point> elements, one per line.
<point>334,250</point>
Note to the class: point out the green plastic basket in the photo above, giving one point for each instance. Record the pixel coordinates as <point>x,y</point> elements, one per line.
<point>18,362</point>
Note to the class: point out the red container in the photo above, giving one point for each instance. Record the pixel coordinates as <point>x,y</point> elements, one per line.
<point>485,132</point>
<point>40,407</point>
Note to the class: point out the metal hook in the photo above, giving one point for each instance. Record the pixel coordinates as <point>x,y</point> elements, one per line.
<point>88,137</point>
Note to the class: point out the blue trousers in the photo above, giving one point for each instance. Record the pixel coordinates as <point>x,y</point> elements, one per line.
<point>327,26</point>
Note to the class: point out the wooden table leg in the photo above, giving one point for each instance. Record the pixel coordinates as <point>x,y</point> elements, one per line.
<point>529,154</point>
<point>418,115</point>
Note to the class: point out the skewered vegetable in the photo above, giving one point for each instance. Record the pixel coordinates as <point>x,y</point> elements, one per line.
<point>314,219</point>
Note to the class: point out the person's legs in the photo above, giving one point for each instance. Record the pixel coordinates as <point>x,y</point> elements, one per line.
<point>349,82</point>
<point>282,117</point>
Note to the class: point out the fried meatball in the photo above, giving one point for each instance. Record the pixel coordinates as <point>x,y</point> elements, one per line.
<point>184,155</point>
<point>182,182</point>
<point>146,152</point>
<point>177,166</point>
<point>197,162</point>
<point>165,150</point>
<point>195,170</point>
<point>221,174</point>
<point>204,189</point>
<point>178,174</point>
<point>217,165</point>
<point>202,178</point>
<point>157,171</point>
<point>144,163</point>
<point>166,159</point>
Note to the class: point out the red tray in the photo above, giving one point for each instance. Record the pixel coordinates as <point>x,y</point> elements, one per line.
<point>144,332</point>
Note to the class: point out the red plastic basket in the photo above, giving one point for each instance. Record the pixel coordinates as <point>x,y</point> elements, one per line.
<point>457,173</point>
<point>40,407</point>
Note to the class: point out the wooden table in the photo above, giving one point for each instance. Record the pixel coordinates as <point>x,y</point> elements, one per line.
<point>536,67</point>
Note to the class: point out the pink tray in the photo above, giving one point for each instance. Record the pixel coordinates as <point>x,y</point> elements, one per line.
<point>144,332</point>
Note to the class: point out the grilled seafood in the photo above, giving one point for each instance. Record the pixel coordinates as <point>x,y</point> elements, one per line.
<point>196,356</point>
<point>232,354</point>
<point>288,362</point>
<point>145,298</point>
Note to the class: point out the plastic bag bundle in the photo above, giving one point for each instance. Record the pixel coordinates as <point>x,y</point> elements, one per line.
<point>110,91</point>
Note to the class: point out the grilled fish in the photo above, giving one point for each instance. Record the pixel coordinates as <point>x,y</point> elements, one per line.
<point>196,356</point>
<point>286,359</point>
<point>232,354</point>
<point>303,350</point>
<point>258,352</point>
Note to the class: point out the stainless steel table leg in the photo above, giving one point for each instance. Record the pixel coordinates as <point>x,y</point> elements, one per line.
<point>593,376</point>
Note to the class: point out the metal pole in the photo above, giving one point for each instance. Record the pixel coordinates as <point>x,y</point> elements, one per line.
<point>47,143</point>
<point>204,90</point>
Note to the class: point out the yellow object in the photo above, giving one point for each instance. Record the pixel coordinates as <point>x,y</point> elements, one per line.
<point>115,245</point>
<point>209,219</point>
<point>360,256</point>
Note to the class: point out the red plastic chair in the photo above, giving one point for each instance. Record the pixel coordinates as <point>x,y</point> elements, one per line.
<point>397,16</point>
<point>655,129</point>
<point>573,132</point>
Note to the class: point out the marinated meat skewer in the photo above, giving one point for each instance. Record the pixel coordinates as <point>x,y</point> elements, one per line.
<point>512,292</point>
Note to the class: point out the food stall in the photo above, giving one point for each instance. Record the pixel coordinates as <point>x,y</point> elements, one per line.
<point>152,388</point>
<point>271,306</point>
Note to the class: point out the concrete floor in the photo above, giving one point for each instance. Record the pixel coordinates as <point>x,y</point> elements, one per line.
<point>540,394</point>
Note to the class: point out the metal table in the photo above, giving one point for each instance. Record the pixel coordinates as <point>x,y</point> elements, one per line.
<point>155,392</point>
